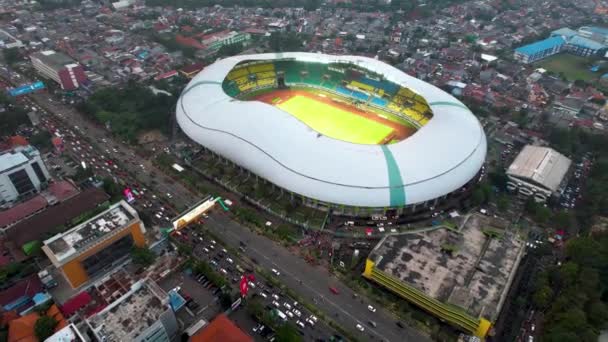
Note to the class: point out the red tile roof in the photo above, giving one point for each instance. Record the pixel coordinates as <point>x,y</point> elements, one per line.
<point>22,210</point>
<point>75,303</point>
<point>188,41</point>
<point>63,190</point>
<point>28,286</point>
<point>221,329</point>
<point>18,140</point>
<point>22,329</point>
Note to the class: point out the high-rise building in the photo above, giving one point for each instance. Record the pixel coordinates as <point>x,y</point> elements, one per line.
<point>22,173</point>
<point>97,245</point>
<point>60,68</point>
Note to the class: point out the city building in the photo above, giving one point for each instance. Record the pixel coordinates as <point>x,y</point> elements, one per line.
<point>221,329</point>
<point>60,68</point>
<point>22,173</point>
<point>460,276</point>
<point>97,245</point>
<point>22,329</point>
<point>542,49</point>
<point>69,333</point>
<point>537,171</point>
<point>141,314</point>
<point>215,41</point>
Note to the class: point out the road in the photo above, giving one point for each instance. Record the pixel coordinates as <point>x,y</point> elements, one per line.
<point>314,285</point>
<point>343,308</point>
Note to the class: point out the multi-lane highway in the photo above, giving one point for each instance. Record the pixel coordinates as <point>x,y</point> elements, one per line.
<point>312,283</point>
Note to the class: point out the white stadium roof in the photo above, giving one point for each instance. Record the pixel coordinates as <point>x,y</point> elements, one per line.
<point>439,158</point>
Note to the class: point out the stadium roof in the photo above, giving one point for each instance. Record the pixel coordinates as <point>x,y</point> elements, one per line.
<point>439,158</point>
<point>541,165</point>
<point>541,45</point>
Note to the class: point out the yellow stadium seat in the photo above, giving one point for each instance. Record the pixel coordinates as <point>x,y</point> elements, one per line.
<point>266,74</point>
<point>261,67</point>
<point>236,73</point>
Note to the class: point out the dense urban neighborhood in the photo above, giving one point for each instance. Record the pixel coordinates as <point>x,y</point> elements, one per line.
<point>303,170</point>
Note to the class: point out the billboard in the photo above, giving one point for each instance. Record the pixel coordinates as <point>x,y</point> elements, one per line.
<point>184,219</point>
<point>243,286</point>
<point>26,89</point>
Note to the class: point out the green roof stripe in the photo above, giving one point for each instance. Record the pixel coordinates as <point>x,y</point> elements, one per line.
<point>446,103</point>
<point>396,187</point>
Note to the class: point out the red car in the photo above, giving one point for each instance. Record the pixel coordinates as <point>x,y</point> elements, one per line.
<point>251,278</point>
<point>334,290</point>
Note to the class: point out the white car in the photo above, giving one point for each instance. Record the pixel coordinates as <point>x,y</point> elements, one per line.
<point>251,285</point>
<point>275,296</point>
<point>371,308</point>
<point>360,327</point>
<point>275,303</point>
<point>275,272</point>
<point>264,295</point>
<point>290,314</point>
<point>229,260</point>
<point>287,305</point>
<point>297,312</point>
<point>313,318</point>
<point>300,324</point>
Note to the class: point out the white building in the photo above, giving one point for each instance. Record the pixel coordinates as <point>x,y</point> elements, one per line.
<point>537,171</point>
<point>22,173</point>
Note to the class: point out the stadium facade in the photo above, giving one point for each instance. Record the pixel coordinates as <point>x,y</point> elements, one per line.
<point>442,157</point>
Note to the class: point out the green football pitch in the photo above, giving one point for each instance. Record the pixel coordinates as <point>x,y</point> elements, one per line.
<point>335,122</point>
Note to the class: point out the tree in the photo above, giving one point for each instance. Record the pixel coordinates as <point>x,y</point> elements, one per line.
<point>226,299</point>
<point>255,307</point>
<point>110,187</point>
<point>42,140</point>
<point>142,256</point>
<point>11,56</point>
<point>288,333</point>
<point>44,327</point>
<point>542,297</point>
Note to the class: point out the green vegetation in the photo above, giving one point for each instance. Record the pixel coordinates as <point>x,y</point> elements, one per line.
<point>570,67</point>
<point>288,333</point>
<point>193,4</point>
<point>49,5</point>
<point>14,270</point>
<point>226,299</point>
<point>130,111</point>
<point>574,295</point>
<point>13,116</point>
<point>201,267</point>
<point>280,41</point>
<point>41,140</point>
<point>45,327</point>
<point>89,214</point>
<point>11,56</point>
<point>142,256</point>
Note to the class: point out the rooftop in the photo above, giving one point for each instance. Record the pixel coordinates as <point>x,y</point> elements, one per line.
<point>221,329</point>
<point>541,165</point>
<point>132,314</point>
<point>55,60</point>
<point>474,276</point>
<point>81,237</point>
<point>541,45</point>
<point>11,159</point>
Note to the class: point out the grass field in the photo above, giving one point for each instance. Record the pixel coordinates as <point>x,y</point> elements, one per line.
<point>573,67</point>
<point>335,122</point>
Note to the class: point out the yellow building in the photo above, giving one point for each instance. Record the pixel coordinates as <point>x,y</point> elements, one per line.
<point>461,277</point>
<point>96,245</point>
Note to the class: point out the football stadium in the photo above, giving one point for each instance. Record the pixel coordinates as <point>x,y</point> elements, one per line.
<point>349,133</point>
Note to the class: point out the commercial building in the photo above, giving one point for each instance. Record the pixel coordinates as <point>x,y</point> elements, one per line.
<point>537,171</point>
<point>96,245</point>
<point>22,173</point>
<point>141,314</point>
<point>460,276</point>
<point>60,68</point>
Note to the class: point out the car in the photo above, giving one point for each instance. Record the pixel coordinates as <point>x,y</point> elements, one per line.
<point>290,314</point>
<point>372,323</point>
<point>275,303</point>
<point>205,250</point>
<point>257,327</point>
<point>334,290</point>
<point>251,284</point>
<point>287,305</point>
<point>300,324</point>
<point>229,260</point>
<point>313,318</point>
<point>223,271</point>
<point>224,251</point>
<point>360,327</point>
<point>264,295</point>
<point>297,312</point>
<point>275,272</point>
<point>400,325</point>
<point>275,296</point>
<point>371,308</point>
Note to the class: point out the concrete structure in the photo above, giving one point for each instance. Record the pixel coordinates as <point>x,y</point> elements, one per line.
<point>22,173</point>
<point>217,40</point>
<point>461,277</point>
<point>537,171</point>
<point>440,158</point>
<point>542,49</point>
<point>68,333</point>
<point>142,314</point>
<point>60,68</point>
<point>96,245</point>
